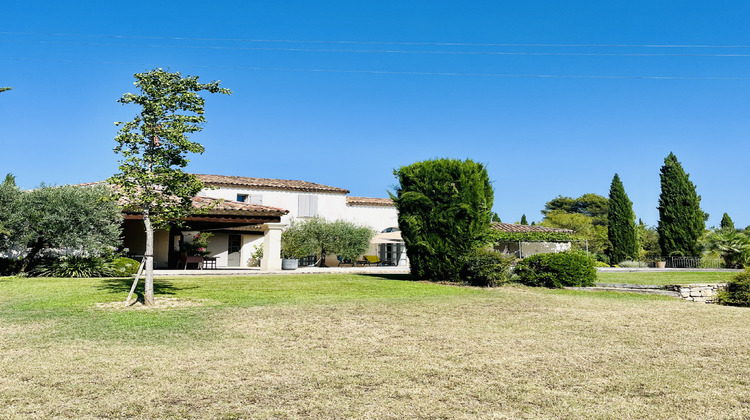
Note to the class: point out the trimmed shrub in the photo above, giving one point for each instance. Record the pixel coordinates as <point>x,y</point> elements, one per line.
<point>556,270</point>
<point>72,266</point>
<point>737,291</point>
<point>486,268</point>
<point>444,209</point>
<point>123,267</point>
<point>599,263</point>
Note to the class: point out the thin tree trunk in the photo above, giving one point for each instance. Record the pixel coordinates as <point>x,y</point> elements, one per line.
<point>148,295</point>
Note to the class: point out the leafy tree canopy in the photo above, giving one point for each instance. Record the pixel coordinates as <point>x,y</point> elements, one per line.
<point>71,219</point>
<point>592,205</point>
<point>319,236</point>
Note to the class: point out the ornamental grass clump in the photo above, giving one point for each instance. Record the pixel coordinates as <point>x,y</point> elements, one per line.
<point>737,291</point>
<point>564,269</point>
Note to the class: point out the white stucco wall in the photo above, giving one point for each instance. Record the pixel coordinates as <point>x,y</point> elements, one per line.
<point>330,206</point>
<point>376,217</point>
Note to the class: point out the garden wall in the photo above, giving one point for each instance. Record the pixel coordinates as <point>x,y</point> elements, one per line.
<point>705,293</point>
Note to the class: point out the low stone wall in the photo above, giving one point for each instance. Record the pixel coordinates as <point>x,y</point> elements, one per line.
<point>705,293</point>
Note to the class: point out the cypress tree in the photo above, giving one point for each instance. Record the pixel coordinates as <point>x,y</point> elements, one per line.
<point>523,220</point>
<point>726,222</point>
<point>681,220</point>
<point>444,210</point>
<point>622,233</point>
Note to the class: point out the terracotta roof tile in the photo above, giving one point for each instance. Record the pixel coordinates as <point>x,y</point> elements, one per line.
<point>369,201</point>
<point>236,207</point>
<point>267,183</point>
<point>513,228</point>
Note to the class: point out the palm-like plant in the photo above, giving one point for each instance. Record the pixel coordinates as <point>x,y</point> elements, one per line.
<point>732,246</point>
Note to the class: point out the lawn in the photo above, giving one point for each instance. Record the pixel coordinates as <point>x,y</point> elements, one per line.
<point>665,277</point>
<point>343,346</point>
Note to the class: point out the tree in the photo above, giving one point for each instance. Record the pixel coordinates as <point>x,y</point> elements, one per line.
<point>732,246</point>
<point>317,235</point>
<point>592,205</point>
<point>70,219</point>
<point>585,229</point>
<point>154,148</point>
<point>9,202</point>
<point>648,241</point>
<point>523,220</point>
<point>681,220</point>
<point>444,209</point>
<point>726,222</point>
<point>621,230</point>
<point>495,218</point>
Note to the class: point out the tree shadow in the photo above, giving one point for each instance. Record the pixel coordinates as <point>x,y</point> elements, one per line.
<point>397,277</point>
<point>123,285</point>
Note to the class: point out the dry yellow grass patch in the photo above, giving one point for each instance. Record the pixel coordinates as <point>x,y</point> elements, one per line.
<point>508,353</point>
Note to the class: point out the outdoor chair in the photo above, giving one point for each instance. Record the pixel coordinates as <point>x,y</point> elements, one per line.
<point>187,259</point>
<point>370,260</point>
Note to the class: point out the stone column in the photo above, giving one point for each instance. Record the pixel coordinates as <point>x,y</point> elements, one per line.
<point>271,260</point>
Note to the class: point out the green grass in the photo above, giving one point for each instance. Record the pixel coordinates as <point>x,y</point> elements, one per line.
<point>355,346</point>
<point>665,277</point>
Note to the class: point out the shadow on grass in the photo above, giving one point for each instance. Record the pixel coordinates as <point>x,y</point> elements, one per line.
<point>123,285</point>
<point>398,277</point>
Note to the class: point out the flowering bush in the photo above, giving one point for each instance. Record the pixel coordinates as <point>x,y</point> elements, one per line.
<point>199,246</point>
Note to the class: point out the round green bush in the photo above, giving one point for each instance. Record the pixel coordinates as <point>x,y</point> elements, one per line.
<point>486,268</point>
<point>124,267</point>
<point>564,269</point>
<point>737,291</point>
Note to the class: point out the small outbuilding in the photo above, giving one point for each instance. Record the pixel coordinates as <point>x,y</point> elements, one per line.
<point>523,241</point>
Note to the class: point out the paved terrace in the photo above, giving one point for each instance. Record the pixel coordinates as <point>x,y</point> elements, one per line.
<point>251,271</point>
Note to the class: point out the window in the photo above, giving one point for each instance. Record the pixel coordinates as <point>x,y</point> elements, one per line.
<point>250,198</point>
<point>308,206</point>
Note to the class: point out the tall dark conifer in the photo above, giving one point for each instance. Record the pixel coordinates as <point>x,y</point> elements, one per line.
<point>681,220</point>
<point>622,233</point>
<point>726,222</point>
<point>523,220</point>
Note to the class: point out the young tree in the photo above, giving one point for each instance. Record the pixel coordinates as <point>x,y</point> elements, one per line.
<point>523,220</point>
<point>444,208</point>
<point>726,222</point>
<point>621,230</point>
<point>154,148</point>
<point>681,220</point>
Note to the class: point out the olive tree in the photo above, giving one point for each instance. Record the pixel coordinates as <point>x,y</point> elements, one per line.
<point>154,148</point>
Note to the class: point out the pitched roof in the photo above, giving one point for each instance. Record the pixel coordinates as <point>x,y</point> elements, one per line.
<point>369,201</point>
<point>267,184</point>
<point>236,207</point>
<point>513,228</point>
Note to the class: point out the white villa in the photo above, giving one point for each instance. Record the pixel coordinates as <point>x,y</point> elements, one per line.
<point>254,211</point>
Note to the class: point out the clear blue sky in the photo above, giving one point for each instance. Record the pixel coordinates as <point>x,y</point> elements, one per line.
<point>395,92</point>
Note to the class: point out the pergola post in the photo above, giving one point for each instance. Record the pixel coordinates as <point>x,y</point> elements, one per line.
<point>271,260</point>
